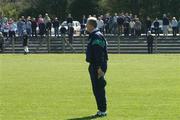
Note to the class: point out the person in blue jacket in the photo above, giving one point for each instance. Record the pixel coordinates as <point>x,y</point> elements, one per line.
<point>97,57</point>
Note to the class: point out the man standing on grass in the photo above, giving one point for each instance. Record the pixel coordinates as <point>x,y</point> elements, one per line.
<point>96,56</point>
<point>150,40</point>
<point>25,42</point>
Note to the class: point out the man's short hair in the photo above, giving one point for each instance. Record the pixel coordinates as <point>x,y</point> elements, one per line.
<point>149,33</point>
<point>92,21</point>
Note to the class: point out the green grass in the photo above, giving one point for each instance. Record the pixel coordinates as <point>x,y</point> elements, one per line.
<point>57,87</point>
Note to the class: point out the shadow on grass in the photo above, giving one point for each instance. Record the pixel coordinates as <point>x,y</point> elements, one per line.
<point>92,117</point>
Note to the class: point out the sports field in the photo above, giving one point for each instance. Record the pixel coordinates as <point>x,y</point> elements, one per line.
<point>57,87</point>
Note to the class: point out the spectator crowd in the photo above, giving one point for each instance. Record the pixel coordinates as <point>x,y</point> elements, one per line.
<point>121,24</point>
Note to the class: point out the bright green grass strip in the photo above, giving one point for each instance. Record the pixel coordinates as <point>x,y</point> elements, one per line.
<point>57,87</point>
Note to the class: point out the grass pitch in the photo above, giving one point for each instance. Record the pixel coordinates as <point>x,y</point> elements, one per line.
<point>57,87</point>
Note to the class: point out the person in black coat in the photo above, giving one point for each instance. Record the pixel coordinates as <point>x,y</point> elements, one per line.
<point>70,33</point>
<point>97,57</point>
<point>34,26</point>
<point>48,28</point>
<point>126,28</point>
<point>156,27</point>
<point>56,24</point>
<point>83,25</point>
<point>150,40</point>
<point>148,24</point>
<point>69,19</point>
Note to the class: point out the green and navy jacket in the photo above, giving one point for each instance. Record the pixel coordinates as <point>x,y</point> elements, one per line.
<point>96,52</point>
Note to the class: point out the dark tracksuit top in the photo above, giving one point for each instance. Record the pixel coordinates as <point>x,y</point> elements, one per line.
<point>97,56</point>
<point>96,52</point>
<point>150,40</point>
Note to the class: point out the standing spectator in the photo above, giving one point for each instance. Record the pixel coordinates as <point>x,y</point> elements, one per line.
<point>111,25</point>
<point>29,26</point>
<point>5,29</point>
<point>41,25</point>
<point>48,27</point>
<point>156,27</point>
<point>126,24</point>
<point>148,24</point>
<point>137,27</point>
<point>48,24</point>
<point>174,26</point>
<point>114,23</point>
<point>70,28</point>
<point>12,28</point>
<point>70,33</point>
<point>83,25</point>
<point>46,18</point>
<point>150,40</point>
<point>56,24</point>
<point>127,17</point>
<point>126,27</point>
<point>34,26</point>
<point>69,19</point>
<point>131,24</point>
<point>165,25</point>
<point>100,24</point>
<point>106,23</point>
<point>120,21</point>
<point>21,27</point>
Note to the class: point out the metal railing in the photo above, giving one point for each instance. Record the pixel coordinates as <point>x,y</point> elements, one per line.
<point>12,42</point>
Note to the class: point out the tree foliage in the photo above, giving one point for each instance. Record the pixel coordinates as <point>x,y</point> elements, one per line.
<point>60,8</point>
<point>84,7</point>
<point>53,7</point>
<point>154,8</point>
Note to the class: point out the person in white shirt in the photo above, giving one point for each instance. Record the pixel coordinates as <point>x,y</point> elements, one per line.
<point>100,24</point>
<point>174,23</point>
<point>131,24</point>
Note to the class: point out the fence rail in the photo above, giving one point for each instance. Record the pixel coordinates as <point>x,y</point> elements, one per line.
<point>116,44</point>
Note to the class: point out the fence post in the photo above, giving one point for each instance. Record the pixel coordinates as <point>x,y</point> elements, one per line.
<point>119,43</point>
<point>13,44</point>
<point>83,44</point>
<point>63,43</point>
<point>155,43</point>
<point>48,44</point>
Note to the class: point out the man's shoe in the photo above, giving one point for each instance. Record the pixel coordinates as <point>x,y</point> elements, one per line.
<point>101,114</point>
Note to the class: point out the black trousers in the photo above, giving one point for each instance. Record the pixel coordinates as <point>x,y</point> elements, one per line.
<point>150,48</point>
<point>98,86</point>
<point>12,34</point>
<point>174,31</point>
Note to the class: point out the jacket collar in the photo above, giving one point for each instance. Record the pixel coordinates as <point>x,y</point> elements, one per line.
<point>93,31</point>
